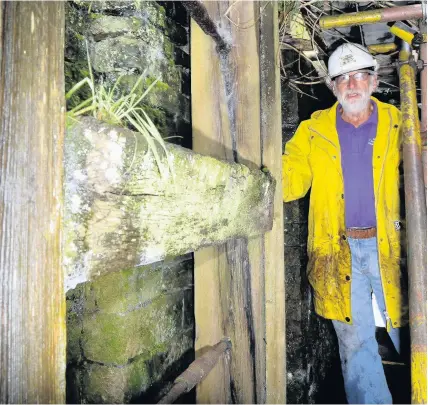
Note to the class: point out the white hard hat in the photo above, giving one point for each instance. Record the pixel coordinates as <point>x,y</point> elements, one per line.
<point>349,57</point>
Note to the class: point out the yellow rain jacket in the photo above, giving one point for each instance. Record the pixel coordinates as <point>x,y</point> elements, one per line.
<point>312,159</point>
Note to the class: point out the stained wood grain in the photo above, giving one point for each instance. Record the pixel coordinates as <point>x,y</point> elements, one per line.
<point>32,301</point>
<point>227,122</point>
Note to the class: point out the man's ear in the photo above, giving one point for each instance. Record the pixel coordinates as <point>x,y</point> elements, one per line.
<point>375,82</point>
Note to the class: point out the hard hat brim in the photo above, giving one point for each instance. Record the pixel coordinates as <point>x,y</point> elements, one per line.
<point>371,68</point>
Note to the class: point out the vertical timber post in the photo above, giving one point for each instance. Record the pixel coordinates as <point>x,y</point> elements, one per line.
<point>239,286</point>
<point>271,136</point>
<point>32,302</point>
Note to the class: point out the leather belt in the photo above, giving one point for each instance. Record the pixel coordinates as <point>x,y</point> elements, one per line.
<point>361,233</point>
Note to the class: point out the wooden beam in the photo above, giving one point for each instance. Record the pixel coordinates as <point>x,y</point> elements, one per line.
<point>121,213</point>
<point>32,301</point>
<point>271,134</point>
<point>230,296</point>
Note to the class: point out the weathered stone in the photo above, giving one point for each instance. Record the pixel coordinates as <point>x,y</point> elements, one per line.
<point>75,308</point>
<point>125,53</point>
<point>94,329</point>
<point>114,54</point>
<point>295,256</point>
<point>121,211</point>
<point>131,383</point>
<point>129,290</point>
<point>296,211</point>
<point>115,385</point>
<point>151,12</point>
<point>139,303</point>
<point>295,234</point>
<point>118,338</point>
<point>106,5</point>
<point>104,26</point>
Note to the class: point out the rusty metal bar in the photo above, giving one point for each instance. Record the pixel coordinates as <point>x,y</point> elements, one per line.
<point>423,57</point>
<point>199,13</point>
<point>387,70</point>
<point>382,48</point>
<point>196,372</point>
<point>372,16</point>
<point>416,225</point>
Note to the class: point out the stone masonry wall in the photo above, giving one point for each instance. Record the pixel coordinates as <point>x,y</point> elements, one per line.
<point>127,38</point>
<point>130,334</point>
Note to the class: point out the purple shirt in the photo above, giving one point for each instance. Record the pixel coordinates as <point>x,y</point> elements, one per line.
<point>356,145</point>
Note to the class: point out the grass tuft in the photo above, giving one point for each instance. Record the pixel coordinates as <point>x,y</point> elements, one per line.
<point>109,106</point>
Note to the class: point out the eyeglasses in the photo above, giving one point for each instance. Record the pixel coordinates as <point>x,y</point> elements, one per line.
<point>358,76</point>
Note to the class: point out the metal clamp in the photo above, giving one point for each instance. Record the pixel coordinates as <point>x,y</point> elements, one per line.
<point>420,64</point>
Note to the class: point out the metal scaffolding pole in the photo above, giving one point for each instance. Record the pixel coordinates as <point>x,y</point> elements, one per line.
<point>416,225</point>
<point>373,16</point>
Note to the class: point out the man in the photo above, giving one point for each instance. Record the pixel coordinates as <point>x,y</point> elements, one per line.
<point>349,156</point>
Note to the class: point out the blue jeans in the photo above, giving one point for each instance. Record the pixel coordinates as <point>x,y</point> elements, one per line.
<point>362,369</point>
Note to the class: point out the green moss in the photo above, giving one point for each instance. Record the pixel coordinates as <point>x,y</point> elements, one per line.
<point>169,50</point>
<point>160,119</point>
<point>160,86</point>
<point>136,23</point>
<point>116,338</point>
<point>74,311</point>
<point>139,377</point>
<point>120,292</point>
<point>79,36</point>
<point>95,16</point>
<point>157,14</point>
<point>104,385</point>
<point>74,332</point>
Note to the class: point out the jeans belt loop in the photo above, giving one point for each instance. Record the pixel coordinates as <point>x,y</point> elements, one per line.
<point>357,233</point>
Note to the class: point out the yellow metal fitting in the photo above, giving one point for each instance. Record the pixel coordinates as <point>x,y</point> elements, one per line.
<point>419,376</point>
<point>404,55</point>
<point>409,107</point>
<point>346,20</point>
<point>382,48</point>
<point>402,34</point>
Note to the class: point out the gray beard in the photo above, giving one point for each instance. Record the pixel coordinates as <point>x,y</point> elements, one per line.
<point>354,107</point>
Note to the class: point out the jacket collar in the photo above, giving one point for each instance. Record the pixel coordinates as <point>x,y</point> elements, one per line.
<point>324,121</point>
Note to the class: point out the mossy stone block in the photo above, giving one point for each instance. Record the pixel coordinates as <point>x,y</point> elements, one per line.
<point>117,338</point>
<point>74,332</point>
<point>106,5</point>
<point>130,383</point>
<point>74,316</point>
<point>123,291</point>
<point>111,385</point>
<point>107,25</point>
<point>117,53</point>
<point>151,12</point>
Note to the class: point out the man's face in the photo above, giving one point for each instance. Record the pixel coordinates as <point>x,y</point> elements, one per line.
<point>353,90</point>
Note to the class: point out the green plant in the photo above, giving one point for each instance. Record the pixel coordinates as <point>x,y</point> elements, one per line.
<point>108,105</point>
